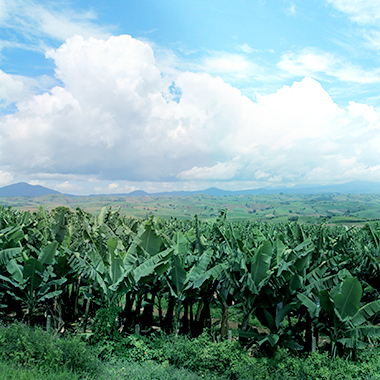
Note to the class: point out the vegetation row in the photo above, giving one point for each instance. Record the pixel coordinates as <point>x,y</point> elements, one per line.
<point>309,287</point>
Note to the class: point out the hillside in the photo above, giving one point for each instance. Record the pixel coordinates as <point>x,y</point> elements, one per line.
<point>23,189</point>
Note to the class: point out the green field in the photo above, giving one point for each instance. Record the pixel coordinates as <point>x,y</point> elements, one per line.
<point>348,209</point>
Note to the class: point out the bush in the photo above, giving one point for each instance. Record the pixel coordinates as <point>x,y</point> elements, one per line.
<point>230,361</point>
<point>149,370</point>
<point>105,325</point>
<point>33,347</point>
<point>200,355</point>
<point>33,354</point>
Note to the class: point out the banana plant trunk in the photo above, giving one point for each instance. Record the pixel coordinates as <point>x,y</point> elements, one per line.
<point>224,322</point>
<point>168,320</point>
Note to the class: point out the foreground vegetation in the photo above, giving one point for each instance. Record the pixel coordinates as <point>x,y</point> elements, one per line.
<point>32,354</point>
<point>168,293</point>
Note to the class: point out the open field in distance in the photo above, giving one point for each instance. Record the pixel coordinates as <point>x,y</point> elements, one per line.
<point>349,209</point>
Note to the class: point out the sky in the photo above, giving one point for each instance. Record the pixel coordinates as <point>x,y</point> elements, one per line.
<point>101,97</point>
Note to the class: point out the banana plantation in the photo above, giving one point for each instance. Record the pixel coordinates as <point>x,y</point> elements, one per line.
<point>307,285</point>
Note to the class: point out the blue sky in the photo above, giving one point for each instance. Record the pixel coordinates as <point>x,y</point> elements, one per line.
<point>110,97</point>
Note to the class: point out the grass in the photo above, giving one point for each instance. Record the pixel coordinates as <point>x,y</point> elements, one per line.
<point>147,371</point>
<point>110,371</point>
<point>15,371</point>
<point>32,354</point>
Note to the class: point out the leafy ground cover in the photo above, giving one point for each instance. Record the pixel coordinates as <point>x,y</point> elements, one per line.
<point>31,353</point>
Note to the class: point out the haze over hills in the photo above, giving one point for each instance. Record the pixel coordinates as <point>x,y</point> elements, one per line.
<point>23,189</point>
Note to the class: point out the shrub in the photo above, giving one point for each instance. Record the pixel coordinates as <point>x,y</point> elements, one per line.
<point>230,361</point>
<point>33,347</point>
<point>105,325</point>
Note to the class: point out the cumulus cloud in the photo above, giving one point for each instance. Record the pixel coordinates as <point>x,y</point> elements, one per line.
<point>67,187</point>
<point>12,89</point>
<point>113,119</point>
<point>6,178</point>
<point>220,171</point>
<point>232,67</point>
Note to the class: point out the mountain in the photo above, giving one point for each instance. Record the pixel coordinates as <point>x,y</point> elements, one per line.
<point>23,189</point>
<point>354,187</point>
<point>214,191</point>
<point>138,193</point>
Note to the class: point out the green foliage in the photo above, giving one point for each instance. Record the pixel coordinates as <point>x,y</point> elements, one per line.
<point>201,357</point>
<point>33,347</point>
<point>319,366</point>
<point>12,371</point>
<point>31,354</point>
<point>151,370</point>
<point>105,325</point>
<point>295,279</point>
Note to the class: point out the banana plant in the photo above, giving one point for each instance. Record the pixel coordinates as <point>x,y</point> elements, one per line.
<point>10,244</point>
<point>10,248</point>
<point>33,281</point>
<point>342,305</point>
<point>341,316</point>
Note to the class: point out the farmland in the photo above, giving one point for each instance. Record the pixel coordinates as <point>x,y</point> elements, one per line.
<point>113,278</point>
<point>348,209</point>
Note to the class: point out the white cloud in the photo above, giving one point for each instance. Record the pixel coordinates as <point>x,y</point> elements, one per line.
<point>37,182</point>
<point>113,186</point>
<point>318,64</point>
<point>220,171</point>
<point>33,22</point>
<point>68,188</point>
<point>3,11</point>
<point>261,175</point>
<point>361,11</point>
<point>11,89</point>
<point>60,26</point>
<point>367,15</point>
<point>122,187</point>
<point>307,62</point>
<point>246,48</point>
<point>6,178</point>
<point>230,66</point>
<point>363,114</point>
<point>292,9</point>
<point>112,121</point>
<point>373,39</point>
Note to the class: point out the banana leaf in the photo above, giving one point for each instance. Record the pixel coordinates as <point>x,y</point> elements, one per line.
<point>366,312</point>
<point>149,241</point>
<point>347,300</point>
<point>261,262</point>
<point>8,254</point>
<point>147,268</point>
<point>48,253</point>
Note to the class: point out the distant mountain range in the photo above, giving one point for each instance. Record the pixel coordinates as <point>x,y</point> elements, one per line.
<point>23,189</point>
